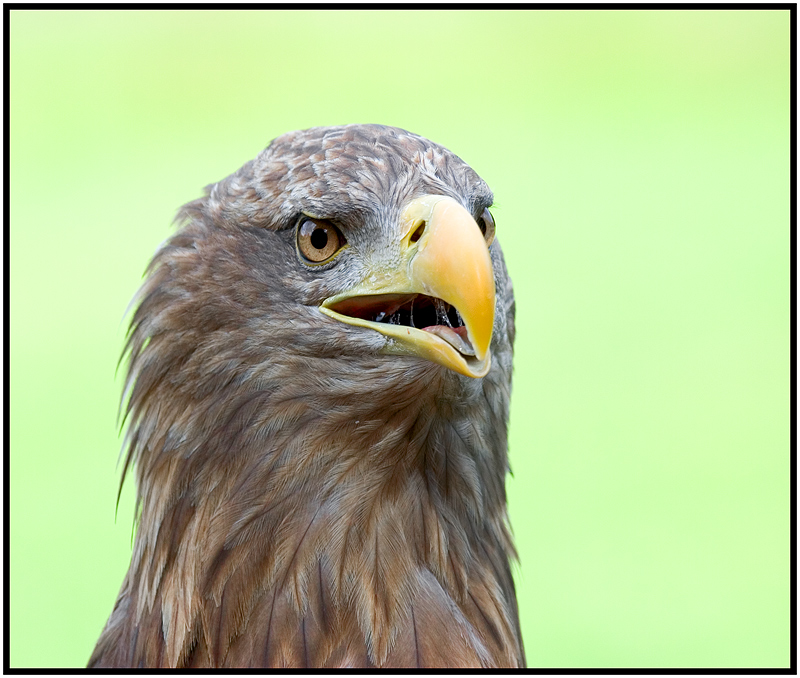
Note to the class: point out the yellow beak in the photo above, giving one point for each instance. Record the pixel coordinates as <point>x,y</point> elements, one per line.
<point>445,273</point>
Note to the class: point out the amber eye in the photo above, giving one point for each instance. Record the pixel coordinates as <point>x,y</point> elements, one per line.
<point>318,240</point>
<point>486,224</point>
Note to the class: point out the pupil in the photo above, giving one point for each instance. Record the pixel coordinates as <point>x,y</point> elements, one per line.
<point>319,238</point>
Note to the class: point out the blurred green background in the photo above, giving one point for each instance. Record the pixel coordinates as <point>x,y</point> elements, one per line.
<point>640,162</point>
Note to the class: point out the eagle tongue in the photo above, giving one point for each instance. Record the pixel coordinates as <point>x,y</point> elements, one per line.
<point>455,336</point>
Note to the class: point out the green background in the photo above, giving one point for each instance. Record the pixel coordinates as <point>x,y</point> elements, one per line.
<point>640,162</point>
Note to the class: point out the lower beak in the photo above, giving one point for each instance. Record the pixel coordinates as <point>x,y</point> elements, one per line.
<point>445,272</point>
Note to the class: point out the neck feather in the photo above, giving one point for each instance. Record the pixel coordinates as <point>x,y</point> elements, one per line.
<point>288,478</point>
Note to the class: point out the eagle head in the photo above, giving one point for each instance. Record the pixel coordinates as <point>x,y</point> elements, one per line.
<point>317,396</point>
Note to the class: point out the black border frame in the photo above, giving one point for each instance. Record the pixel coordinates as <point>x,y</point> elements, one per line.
<point>791,7</point>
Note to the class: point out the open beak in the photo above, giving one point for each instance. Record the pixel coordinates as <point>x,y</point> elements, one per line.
<point>438,301</point>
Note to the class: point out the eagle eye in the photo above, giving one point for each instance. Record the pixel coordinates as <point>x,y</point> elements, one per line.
<point>318,240</point>
<point>486,224</point>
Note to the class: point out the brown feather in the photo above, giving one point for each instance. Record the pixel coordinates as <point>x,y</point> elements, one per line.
<point>304,500</point>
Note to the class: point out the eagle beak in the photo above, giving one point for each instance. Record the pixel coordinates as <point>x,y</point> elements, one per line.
<point>437,302</point>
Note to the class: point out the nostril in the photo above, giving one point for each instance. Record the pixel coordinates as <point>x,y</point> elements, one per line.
<point>417,234</point>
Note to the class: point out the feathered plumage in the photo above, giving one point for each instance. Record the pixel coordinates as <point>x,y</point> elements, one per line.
<point>311,493</point>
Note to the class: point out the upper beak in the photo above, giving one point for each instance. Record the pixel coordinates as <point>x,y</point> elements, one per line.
<point>444,257</point>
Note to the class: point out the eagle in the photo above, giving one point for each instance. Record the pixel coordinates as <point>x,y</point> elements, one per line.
<point>317,400</point>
